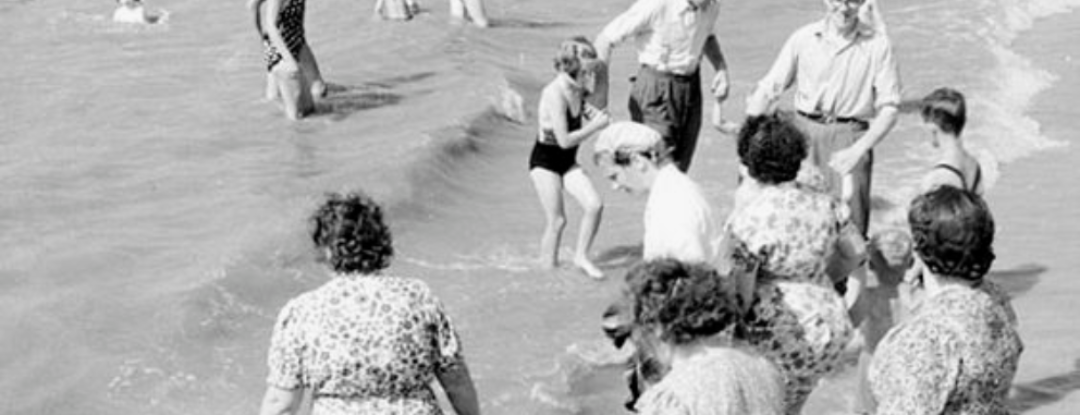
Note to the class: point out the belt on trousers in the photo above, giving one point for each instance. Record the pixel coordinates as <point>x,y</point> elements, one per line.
<point>665,74</point>
<point>832,119</point>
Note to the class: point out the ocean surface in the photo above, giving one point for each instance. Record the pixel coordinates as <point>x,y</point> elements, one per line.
<point>153,207</point>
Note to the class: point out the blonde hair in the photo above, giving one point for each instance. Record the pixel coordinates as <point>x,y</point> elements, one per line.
<point>575,54</point>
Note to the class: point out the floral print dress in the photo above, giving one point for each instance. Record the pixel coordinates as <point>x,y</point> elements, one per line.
<point>797,318</point>
<point>364,345</point>
<point>957,354</point>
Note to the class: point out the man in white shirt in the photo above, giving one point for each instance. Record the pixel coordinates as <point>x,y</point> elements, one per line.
<point>678,225</point>
<point>672,36</point>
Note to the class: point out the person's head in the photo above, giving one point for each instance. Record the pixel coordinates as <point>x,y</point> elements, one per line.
<point>349,230</point>
<point>891,248</point>
<point>129,3</point>
<point>945,110</point>
<point>575,56</point>
<point>953,233</point>
<point>680,302</point>
<point>844,13</point>
<point>771,148</point>
<point>630,154</point>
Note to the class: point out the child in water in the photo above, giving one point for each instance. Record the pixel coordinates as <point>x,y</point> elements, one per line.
<point>396,9</point>
<point>565,121</point>
<point>132,11</point>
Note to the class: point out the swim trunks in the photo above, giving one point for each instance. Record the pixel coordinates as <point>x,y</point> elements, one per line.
<point>548,154</point>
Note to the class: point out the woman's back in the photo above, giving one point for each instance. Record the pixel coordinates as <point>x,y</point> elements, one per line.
<point>720,381</point>
<point>364,341</point>
<point>957,355</point>
<point>962,171</point>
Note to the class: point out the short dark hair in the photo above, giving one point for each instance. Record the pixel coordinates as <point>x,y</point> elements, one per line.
<point>771,148</point>
<point>686,301</point>
<point>946,109</point>
<point>953,232</point>
<point>350,227</point>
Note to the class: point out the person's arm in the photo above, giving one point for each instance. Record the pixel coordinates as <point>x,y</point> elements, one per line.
<point>553,108</point>
<point>715,56</point>
<point>256,9</point>
<point>278,401</point>
<point>886,84</point>
<point>458,384</point>
<point>634,20</point>
<point>776,81</point>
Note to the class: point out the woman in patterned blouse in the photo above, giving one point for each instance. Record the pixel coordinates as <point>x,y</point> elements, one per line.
<point>958,352</point>
<point>685,314</point>
<point>778,242</point>
<point>364,342</point>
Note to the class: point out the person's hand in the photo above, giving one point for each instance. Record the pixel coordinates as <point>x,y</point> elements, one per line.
<point>720,86</point>
<point>722,125</point>
<point>287,65</point>
<point>844,160</point>
<point>599,118</point>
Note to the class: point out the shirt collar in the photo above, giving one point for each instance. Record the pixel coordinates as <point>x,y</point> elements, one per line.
<point>862,31</point>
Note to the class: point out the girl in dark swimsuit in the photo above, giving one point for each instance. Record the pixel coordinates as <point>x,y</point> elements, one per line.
<point>944,113</point>
<point>565,121</point>
<point>294,76</point>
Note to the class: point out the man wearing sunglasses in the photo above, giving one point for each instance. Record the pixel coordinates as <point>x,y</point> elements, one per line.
<point>847,89</point>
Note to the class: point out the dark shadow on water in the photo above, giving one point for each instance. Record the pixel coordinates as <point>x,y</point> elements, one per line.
<point>619,256</point>
<point>1017,280</point>
<point>526,24</point>
<point>342,101</point>
<point>1042,392</point>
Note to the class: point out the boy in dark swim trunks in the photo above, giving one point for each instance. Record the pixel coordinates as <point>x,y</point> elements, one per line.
<point>565,121</point>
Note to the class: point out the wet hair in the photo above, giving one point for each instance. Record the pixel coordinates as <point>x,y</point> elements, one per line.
<point>685,301</point>
<point>771,148</point>
<point>575,54</point>
<point>945,108</point>
<point>953,232</point>
<point>351,229</point>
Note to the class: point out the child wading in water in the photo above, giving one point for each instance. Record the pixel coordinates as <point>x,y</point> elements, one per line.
<point>565,121</point>
<point>944,113</point>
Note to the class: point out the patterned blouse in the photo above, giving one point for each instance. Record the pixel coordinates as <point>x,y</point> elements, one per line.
<point>364,344</point>
<point>719,381</point>
<point>792,227</point>
<point>956,355</point>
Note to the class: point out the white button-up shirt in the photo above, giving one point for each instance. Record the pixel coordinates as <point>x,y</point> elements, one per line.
<point>850,79</point>
<point>670,34</point>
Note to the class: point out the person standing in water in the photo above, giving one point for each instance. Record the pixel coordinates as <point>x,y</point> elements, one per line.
<point>293,73</point>
<point>944,114</point>
<point>565,121</point>
<point>666,93</point>
<point>847,90</point>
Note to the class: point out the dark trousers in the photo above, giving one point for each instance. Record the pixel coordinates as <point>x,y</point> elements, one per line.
<point>670,104</point>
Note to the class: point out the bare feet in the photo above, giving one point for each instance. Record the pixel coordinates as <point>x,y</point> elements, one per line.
<point>589,268</point>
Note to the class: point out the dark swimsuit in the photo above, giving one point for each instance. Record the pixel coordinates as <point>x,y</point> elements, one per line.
<point>960,174</point>
<point>291,25</point>
<point>548,154</point>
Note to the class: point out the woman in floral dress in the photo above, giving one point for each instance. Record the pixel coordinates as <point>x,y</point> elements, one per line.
<point>958,352</point>
<point>364,342</point>
<point>778,242</point>
<point>685,313</point>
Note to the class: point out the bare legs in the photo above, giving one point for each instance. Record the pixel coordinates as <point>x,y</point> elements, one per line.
<point>549,186</point>
<point>469,9</point>
<point>296,87</point>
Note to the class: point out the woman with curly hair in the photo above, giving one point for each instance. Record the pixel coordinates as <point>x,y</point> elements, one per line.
<point>364,342</point>
<point>958,352</point>
<point>779,244</point>
<point>686,315</point>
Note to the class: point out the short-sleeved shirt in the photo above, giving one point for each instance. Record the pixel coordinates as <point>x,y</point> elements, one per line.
<point>670,34</point>
<point>852,80</point>
<point>364,343</point>
<point>720,381</point>
<point>957,354</point>
<point>678,220</point>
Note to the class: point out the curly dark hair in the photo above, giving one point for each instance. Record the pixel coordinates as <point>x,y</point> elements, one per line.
<point>350,227</point>
<point>771,148</point>
<point>685,301</point>
<point>953,232</point>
